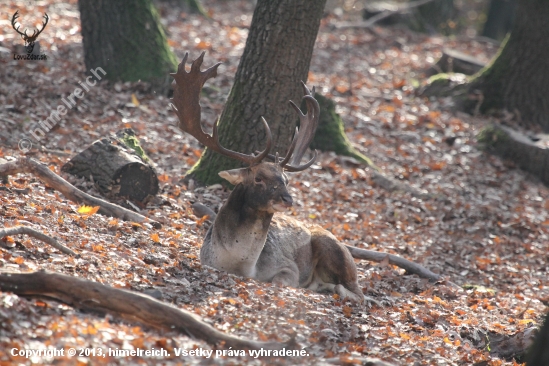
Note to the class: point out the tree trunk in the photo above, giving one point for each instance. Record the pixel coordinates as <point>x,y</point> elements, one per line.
<point>126,39</point>
<point>499,22</point>
<point>276,57</point>
<point>434,17</point>
<point>518,79</point>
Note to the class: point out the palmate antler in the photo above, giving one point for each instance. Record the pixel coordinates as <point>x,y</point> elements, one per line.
<point>187,87</point>
<point>186,105</point>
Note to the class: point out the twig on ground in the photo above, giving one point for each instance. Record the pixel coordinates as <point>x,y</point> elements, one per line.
<point>384,14</point>
<point>29,165</point>
<point>129,305</point>
<point>25,230</point>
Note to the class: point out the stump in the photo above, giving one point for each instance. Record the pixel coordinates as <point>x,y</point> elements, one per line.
<point>118,166</point>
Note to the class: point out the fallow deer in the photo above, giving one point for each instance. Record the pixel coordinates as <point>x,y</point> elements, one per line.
<point>249,236</point>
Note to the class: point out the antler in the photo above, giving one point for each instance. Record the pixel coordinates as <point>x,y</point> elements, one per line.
<point>186,94</point>
<point>13,20</point>
<point>34,33</point>
<point>25,35</point>
<point>303,136</point>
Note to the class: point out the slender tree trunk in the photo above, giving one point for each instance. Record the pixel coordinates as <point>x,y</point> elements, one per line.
<point>126,39</point>
<point>276,57</point>
<point>518,78</point>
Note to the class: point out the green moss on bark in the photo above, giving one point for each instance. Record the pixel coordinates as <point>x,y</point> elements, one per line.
<point>330,134</point>
<point>127,40</point>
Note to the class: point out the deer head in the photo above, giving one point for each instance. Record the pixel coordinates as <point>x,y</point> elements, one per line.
<point>263,183</point>
<point>29,40</point>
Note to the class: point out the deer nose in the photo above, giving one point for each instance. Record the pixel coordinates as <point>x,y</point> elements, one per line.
<point>287,200</point>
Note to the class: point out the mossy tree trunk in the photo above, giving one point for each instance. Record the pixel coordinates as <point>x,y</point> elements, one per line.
<point>330,134</point>
<point>518,78</point>
<point>126,39</point>
<point>276,57</point>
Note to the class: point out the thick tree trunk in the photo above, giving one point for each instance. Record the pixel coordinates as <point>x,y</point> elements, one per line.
<point>126,39</point>
<point>518,78</point>
<point>276,57</point>
<point>499,22</point>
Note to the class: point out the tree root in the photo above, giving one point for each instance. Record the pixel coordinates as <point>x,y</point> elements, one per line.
<point>28,165</point>
<point>21,230</point>
<point>131,306</point>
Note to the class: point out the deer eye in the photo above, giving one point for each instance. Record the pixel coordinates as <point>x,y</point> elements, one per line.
<point>258,180</point>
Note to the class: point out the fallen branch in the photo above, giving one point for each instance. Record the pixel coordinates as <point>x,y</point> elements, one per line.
<point>384,14</point>
<point>25,230</point>
<point>409,266</point>
<point>131,306</point>
<point>28,165</point>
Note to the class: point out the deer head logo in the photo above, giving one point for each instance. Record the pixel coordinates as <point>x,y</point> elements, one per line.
<point>29,40</point>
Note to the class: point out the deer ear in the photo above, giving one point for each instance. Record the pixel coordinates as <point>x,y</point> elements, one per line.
<point>233,176</point>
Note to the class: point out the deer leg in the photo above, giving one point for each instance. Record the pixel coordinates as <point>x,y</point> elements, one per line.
<point>335,269</point>
<point>286,277</point>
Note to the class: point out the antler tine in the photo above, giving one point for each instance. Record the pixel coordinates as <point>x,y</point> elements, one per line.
<point>186,104</point>
<point>290,150</point>
<point>308,125</point>
<point>43,25</point>
<point>13,20</point>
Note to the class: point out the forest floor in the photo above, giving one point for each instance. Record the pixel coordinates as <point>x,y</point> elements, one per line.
<point>484,225</point>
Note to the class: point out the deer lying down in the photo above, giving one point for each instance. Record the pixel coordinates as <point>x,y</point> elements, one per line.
<point>249,236</point>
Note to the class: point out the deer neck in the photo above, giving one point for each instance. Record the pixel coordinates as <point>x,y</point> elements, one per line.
<point>239,233</point>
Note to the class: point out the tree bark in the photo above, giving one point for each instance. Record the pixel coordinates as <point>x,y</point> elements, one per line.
<point>499,22</point>
<point>117,169</point>
<point>276,57</point>
<point>518,78</point>
<point>126,39</point>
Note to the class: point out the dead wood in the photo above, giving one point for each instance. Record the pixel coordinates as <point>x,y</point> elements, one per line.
<point>384,14</point>
<point>116,168</point>
<point>128,305</point>
<point>22,230</point>
<point>392,185</point>
<point>529,152</point>
<point>29,165</point>
<point>409,266</point>
<point>456,61</point>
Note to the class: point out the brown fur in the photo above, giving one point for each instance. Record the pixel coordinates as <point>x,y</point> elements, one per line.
<point>250,238</point>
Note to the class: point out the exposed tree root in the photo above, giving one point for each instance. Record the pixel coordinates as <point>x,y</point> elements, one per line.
<point>28,165</point>
<point>131,306</point>
<point>21,230</point>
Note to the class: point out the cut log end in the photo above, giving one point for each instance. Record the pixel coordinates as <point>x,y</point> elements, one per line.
<point>116,170</point>
<point>135,181</point>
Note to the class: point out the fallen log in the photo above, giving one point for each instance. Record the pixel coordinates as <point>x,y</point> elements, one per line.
<point>29,165</point>
<point>128,305</point>
<point>530,153</point>
<point>118,166</point>
<point>456,61</point>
